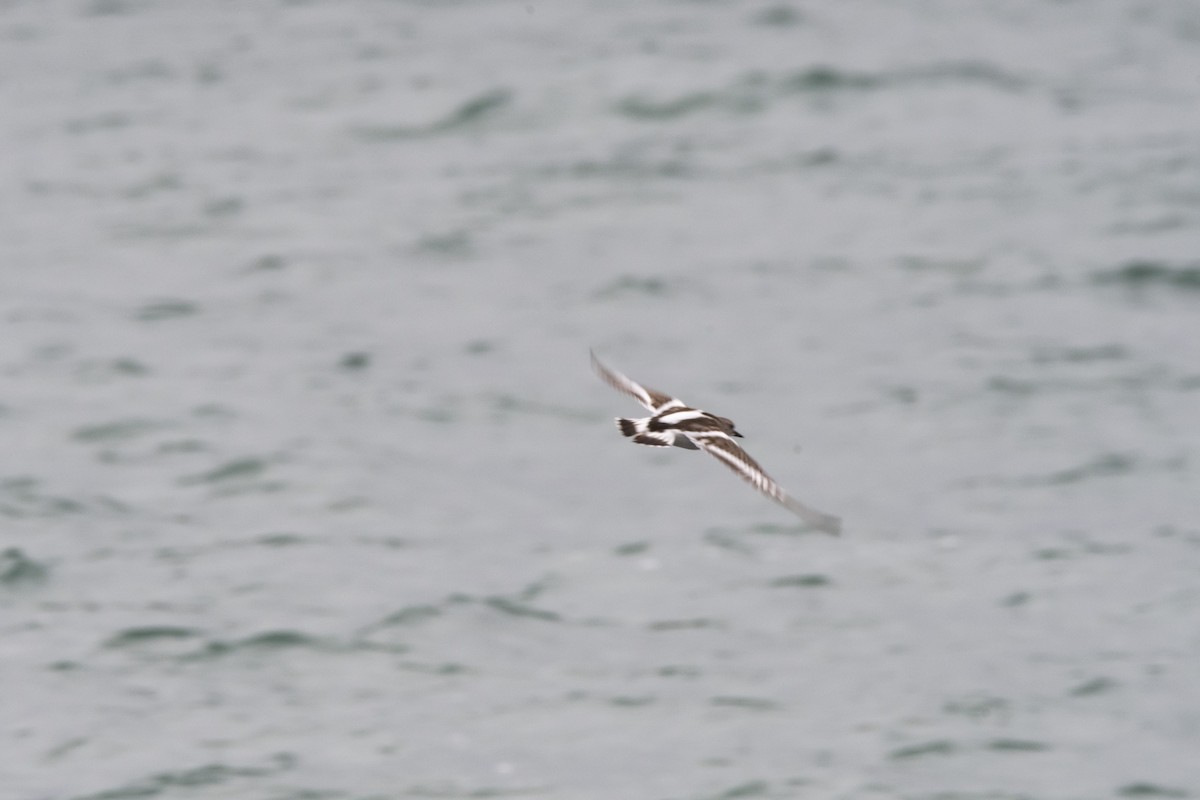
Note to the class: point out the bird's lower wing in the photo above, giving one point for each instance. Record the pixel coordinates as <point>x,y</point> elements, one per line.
<point>728,452</point>
<point>654,439</point>
<point>654,401</point>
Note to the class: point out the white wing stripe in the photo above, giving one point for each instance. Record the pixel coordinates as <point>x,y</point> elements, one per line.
<point>676,417</point>
<point>754,475</point>
<point>709,435</point>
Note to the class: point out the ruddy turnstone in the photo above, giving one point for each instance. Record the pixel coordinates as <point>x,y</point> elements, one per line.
<point>673,423</point>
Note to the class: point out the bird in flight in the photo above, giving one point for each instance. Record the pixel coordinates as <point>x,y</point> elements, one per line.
<point>673,423</point>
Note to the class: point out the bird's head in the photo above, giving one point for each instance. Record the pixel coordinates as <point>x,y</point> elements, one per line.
<point>729,428</point>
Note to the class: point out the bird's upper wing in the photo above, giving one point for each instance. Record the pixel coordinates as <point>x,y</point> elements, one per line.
<point>724,449</point>
<point>654,401</point>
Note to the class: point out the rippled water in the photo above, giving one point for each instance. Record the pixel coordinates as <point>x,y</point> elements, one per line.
<point>307,491</point>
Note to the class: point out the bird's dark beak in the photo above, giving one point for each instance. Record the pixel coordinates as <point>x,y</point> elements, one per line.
<point>735,433</point>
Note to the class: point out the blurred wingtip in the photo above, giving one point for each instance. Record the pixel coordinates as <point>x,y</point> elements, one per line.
<point>826,523</point>
<point>831,525</point>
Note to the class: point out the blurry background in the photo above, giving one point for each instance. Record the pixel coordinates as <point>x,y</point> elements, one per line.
<point>307,490</point>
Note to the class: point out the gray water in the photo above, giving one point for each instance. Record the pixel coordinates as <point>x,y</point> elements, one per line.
<point>307,491</point>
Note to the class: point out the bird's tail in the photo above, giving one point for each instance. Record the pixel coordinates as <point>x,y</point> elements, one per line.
<point>631,427</point>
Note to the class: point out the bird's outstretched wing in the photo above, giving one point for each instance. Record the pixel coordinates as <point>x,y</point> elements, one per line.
<point>719,445</point>
<point>654,401</point>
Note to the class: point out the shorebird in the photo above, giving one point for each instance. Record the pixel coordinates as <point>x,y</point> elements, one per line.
<point>673,423</point>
